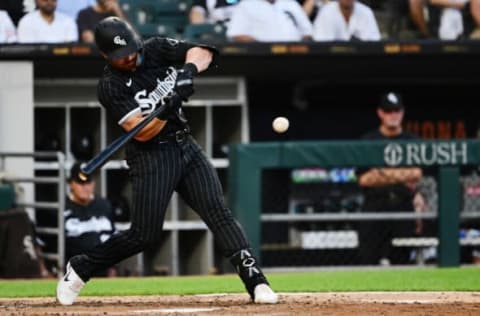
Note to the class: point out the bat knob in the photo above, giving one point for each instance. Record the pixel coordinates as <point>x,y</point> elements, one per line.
<point>82,176</point>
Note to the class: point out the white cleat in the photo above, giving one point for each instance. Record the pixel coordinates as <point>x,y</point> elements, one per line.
<point>264,294</point>
<point>69,287</point>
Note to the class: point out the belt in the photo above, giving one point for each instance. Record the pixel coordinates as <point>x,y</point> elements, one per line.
<point>177,136</point>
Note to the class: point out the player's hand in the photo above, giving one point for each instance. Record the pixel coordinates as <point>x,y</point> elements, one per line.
<point>184,83</point>
<point>172,106</point>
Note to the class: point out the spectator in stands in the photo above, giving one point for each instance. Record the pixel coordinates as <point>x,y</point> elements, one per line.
<point>388,189</point>
<point>8,34</point>
<point>17,9</point>
<point>413,9</point>
<point>269,21</point>
<point>475,15</point>
<point>345,20</point>
<point>447,19</point>
<point>312,7</point>
<point>212,11</point>
<point>416,10</point>
<point>72,7</point>
<point>45,25</point>
<point>89,17</point>
<point>455,18</point>
<point>451,19</point>
<point>298,16</point>
<point>88,218</point>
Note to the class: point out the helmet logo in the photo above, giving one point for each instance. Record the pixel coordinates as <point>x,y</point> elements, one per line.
<point>119,41</point>
<point>172,41</point>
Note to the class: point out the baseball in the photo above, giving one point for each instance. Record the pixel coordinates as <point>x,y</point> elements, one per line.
<point>280,124</point>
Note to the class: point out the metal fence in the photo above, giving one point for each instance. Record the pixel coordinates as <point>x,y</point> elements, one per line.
<point>57,206</point>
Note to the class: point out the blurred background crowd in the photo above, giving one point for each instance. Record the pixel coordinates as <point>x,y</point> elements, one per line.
<point>57,21</point>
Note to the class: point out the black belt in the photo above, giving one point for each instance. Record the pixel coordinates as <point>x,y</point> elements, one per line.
<point>177,136</point>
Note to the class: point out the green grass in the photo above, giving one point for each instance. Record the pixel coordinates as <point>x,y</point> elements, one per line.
<point>431,279</point>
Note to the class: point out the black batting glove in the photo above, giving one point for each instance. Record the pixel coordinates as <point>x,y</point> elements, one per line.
<point>172,106</point>
<point>184,83</point>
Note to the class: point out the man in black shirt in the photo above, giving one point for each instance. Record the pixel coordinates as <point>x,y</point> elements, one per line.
<point>16,9</point>
<point>387,189</point>
<point>89,17</point>
<point>163,157</point>
<point>88,218</point>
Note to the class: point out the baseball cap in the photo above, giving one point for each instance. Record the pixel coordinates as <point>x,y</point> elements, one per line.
<point>391,101</point>
<point>74,174</point>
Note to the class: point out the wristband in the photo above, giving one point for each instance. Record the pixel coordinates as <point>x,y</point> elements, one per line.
<point>190,67</point>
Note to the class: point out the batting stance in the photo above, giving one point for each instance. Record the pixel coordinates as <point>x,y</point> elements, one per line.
<point>163,157</point>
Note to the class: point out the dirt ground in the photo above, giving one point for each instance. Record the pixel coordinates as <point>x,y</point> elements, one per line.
<point>332,304</point>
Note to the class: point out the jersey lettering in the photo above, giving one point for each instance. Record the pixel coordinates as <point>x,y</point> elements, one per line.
<point>75,227</point>
<point>147,102</point>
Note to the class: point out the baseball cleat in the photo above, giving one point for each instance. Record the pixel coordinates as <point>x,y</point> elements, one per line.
<point>264,295</point>
<point>69,287</point>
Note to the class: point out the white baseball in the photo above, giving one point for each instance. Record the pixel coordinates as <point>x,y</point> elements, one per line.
<point>280,124</point>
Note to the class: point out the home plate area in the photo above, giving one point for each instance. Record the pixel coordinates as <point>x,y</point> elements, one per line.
<point>342,304</point>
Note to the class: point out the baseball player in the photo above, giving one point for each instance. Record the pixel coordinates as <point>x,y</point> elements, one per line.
<point>163,157</point>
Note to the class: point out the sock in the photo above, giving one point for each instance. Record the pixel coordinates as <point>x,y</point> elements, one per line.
<point>247,268</point>
<point>78,264</point>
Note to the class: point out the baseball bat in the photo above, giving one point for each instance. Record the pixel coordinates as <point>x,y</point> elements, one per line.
<point>101,158</point>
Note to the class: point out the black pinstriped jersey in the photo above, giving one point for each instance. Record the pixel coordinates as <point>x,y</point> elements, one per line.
<point>123,94</point>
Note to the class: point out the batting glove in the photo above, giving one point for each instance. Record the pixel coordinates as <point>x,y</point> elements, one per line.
<point>184,82</point>
<point>172,106</point>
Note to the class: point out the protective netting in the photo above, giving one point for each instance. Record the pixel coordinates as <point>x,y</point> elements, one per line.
<point>314,216</point>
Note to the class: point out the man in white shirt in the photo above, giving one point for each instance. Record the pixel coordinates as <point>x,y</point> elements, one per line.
<point>7,29</point>
<point>45,25</point>
<point>299,17</point>
<point>345,20</point>
<point>267,21</point>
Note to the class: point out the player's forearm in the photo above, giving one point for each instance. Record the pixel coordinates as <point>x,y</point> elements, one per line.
<point>148,132</point>
<point>200,57</point>
<point>387,176</point>
<point>403,174</point>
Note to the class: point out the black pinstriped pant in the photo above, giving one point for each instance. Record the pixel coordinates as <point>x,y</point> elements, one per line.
<point>156,172</point>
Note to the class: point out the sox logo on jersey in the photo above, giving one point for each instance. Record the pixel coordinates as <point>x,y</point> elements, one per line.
<point>148,101</point>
